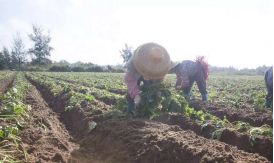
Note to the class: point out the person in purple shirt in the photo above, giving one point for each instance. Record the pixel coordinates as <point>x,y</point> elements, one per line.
<point>268,78</point>
<point>188,72</point>
<point>148,65</point>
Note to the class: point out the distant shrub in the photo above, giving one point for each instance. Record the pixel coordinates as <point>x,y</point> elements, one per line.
<point>95,69</point>
<point>60,69</point>
<point>78,69</point>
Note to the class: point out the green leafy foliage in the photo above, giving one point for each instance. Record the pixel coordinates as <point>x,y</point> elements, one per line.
<point>217,134</point>
<point>76,98</point>
<point>13,113</point>
<point>158,98</point>
<point>264,130</point>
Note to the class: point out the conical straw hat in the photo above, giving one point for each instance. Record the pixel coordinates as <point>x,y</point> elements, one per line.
<point>152,61</point>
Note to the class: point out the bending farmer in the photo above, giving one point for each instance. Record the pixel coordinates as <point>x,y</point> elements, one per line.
<point>187,72</point>
<point>149,64</point>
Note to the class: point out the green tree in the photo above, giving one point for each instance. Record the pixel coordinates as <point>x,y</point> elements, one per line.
<point>7,58</point>
<point>2,61</point>
<point>126,53</point>
<point>5,62</point>
<point>18,51</point>
<point>41,49</point>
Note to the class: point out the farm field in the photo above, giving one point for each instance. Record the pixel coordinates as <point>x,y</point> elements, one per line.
<point>80,117</point>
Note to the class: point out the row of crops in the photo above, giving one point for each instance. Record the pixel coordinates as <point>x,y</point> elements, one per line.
<point>244,92</point>
<point>233,90</point>
<point>97,97</point>
<point>13,115</point>
<point>5,75</point>
<point>6,78</point>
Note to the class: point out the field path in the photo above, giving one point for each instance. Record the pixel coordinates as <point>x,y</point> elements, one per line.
<point>45,138</point>
<point>5,84</point>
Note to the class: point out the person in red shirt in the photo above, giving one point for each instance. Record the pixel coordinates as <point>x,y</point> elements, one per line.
<point>149,64</point>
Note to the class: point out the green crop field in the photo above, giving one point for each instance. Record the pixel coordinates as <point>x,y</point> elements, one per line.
<point>90,103</point>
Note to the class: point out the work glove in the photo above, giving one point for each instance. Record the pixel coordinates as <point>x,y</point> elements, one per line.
<point>204,97</point>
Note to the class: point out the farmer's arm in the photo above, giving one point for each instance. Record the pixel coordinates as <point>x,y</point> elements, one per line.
<point>132,80</point>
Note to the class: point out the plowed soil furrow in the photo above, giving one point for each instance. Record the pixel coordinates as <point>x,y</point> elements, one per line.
<point>263,146</point>
<point>5,84</point>
<point>108,147</point>
<point>105,100</point>
<point>255,119</point>
<point>44,137</point>
<point>142,141</point>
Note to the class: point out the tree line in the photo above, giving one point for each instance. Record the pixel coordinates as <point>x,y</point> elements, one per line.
<point>127,52</point>
<point>245,71</point>
<point>17,56</point>
<point>64,66</point>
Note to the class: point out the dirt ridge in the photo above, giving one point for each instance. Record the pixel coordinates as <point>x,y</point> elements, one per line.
<point>44,137</point>
<point>144,141</point>
<point>263,146</point>
<point>5,84</point>
<point>255,119</point>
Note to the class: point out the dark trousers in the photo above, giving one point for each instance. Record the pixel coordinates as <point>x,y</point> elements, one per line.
<point>201,83</point>
<point>269,96</point>
<point>201,86</point>
<point>269,85</point>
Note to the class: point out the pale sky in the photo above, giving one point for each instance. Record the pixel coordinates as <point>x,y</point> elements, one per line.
<point>237,33</point>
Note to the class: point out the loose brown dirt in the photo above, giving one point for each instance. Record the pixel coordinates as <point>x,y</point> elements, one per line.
<point>185,123</point>
<point>142,141</point>
<point>254,118</point>
<point>5,84</point>
<point>263,145</point>
<point>45,138</point>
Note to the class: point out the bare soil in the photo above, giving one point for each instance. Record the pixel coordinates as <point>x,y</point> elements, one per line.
<point>254,118</point>
<point>5,84</point>
<point>143,141</point>
<point>44,137</point>
<point>263,145</point>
